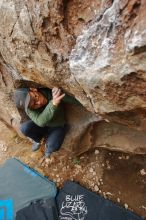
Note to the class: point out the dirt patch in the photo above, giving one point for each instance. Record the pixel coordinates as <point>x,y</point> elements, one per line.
<point>125,180</point>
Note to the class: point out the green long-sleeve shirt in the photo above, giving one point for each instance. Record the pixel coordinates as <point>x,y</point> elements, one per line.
<point>50,115</point>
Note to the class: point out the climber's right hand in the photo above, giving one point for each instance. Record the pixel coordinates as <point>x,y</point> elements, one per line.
<point>57,96</point>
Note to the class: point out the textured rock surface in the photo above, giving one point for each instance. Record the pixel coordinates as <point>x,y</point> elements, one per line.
<point>94,50</point>
<point>109,58</point>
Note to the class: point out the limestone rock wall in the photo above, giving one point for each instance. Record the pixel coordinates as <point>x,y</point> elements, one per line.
<point>108,60</point>
<point>94,50</point>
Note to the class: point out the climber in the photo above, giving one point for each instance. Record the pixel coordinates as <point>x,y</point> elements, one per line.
<point>45,110</point>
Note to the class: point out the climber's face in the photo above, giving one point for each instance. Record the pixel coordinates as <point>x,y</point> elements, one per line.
<point>37,99</point>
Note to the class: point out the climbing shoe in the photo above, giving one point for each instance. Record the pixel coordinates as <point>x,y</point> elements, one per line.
<point>35,146</point>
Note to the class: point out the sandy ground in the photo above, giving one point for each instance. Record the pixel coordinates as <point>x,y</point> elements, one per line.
<point>117,176</point>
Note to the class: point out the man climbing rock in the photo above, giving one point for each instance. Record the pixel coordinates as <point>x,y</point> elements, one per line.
<point>45,108</point>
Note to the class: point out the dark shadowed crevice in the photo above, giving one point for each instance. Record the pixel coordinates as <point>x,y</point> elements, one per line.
<point>65,20</point>
<point>27,84</point>
<point>138,50</point>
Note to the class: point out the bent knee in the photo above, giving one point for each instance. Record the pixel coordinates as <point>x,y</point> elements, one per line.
<point>25,129</point>
<point>53,147</point>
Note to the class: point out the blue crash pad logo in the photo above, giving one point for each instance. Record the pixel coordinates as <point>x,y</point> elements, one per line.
<point>6,209</point>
